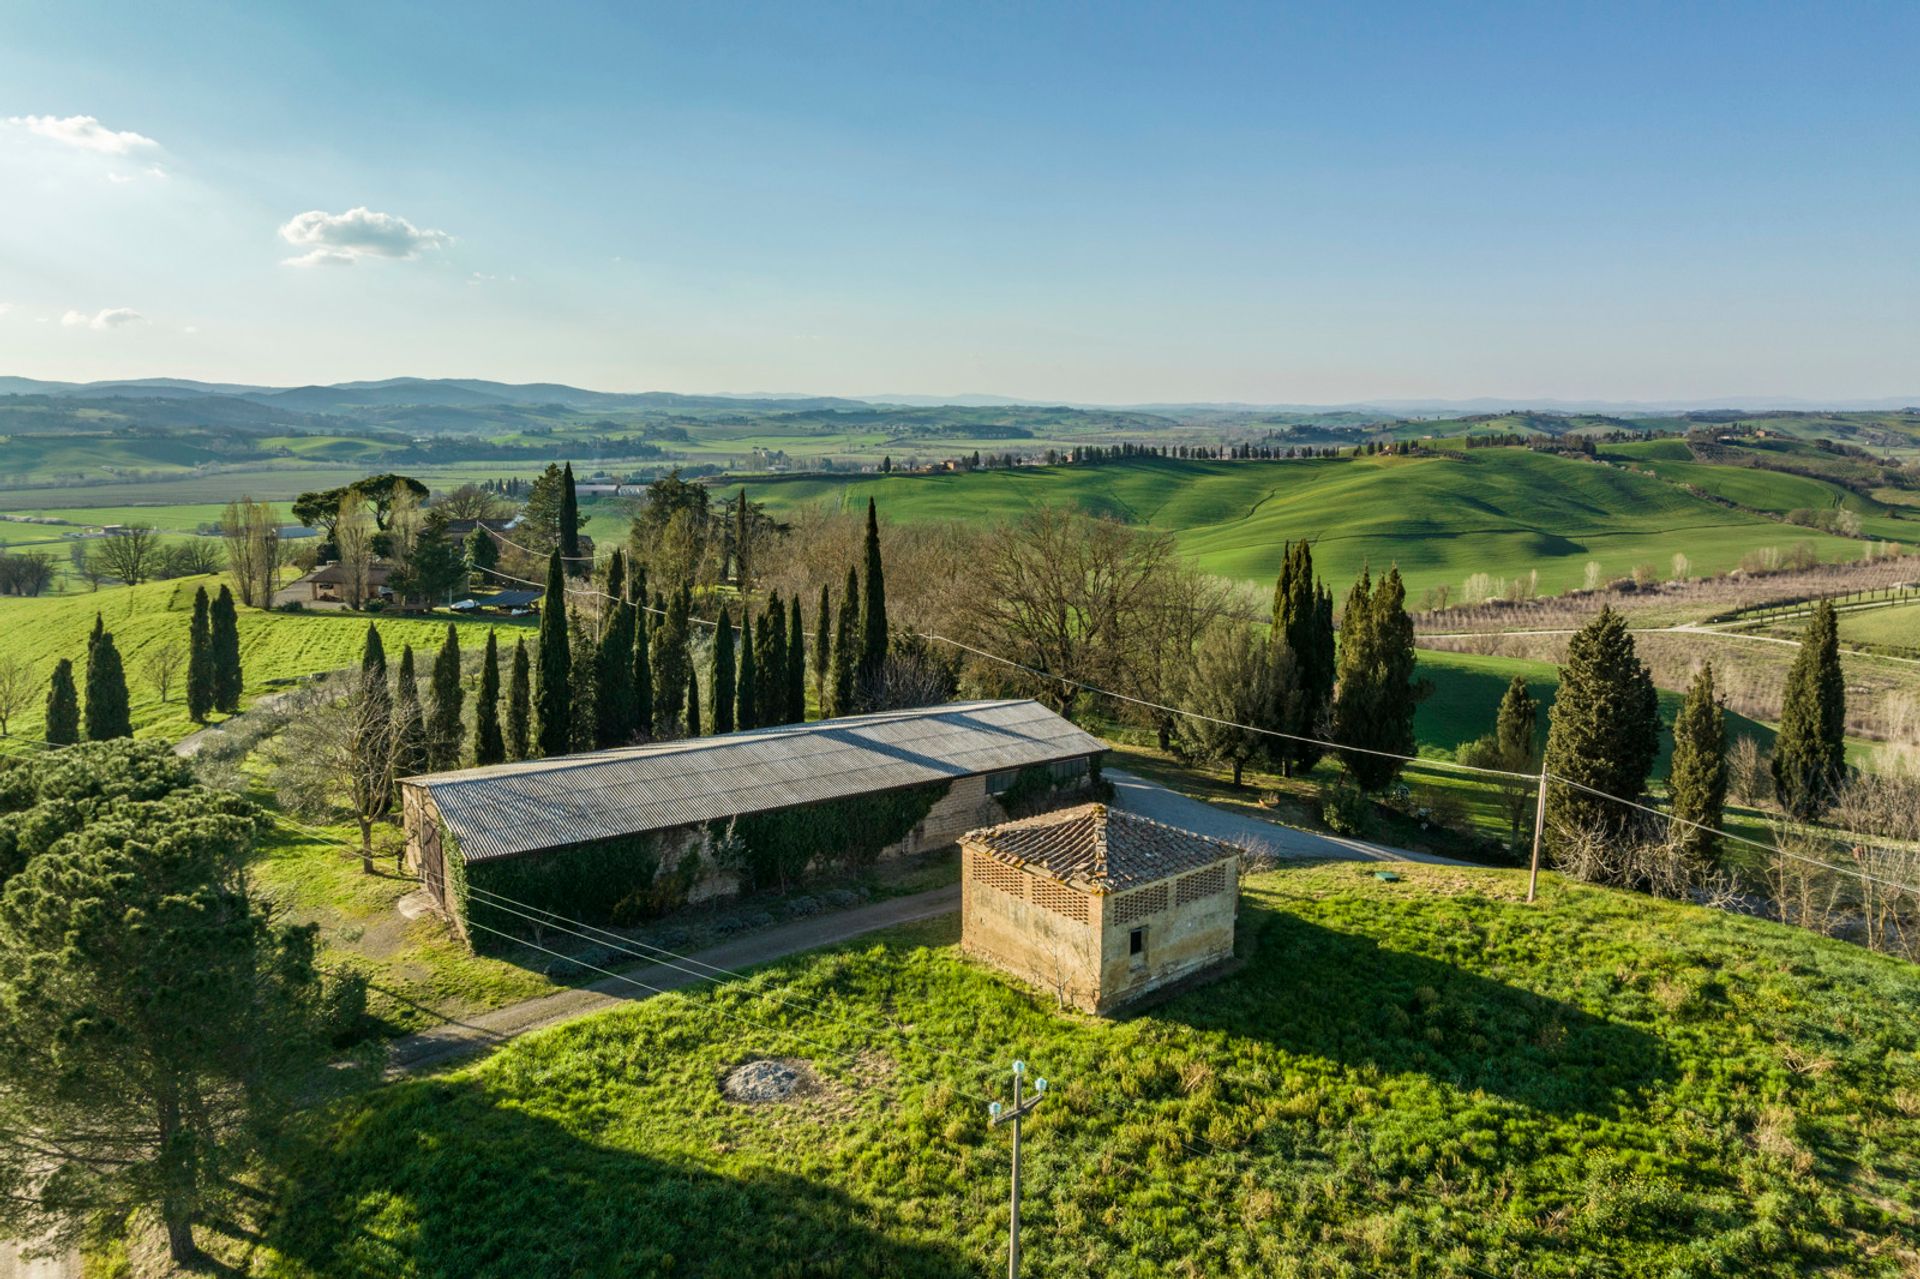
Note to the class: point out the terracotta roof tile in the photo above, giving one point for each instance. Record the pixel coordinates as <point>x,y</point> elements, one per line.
<point>1099,848</point>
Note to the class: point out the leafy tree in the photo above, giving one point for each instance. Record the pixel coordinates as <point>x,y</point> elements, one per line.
<point>1376,693</point>
<point>155,1022</point>
<point>411,755</point>
<point>437,566</point>
<point>796,698</point>
<point>108,714</point>
<point>444,729</point>
<point>748,710</point>
<point>1697,780</point>
<point>846,652</point>
<point>223,627</point>
<point>199,659</point>
<point>519,703</point>
<point>489,747</point>
<point>63,706</point>
<point>539,524</point>
<point>671,664</point>
<point>555,692</point>
<point>822,651</point>
<point>723,673</point>
<point>1810,754</point>
<point>1604,731</point>
<point>873,612</point>
<point>1231,692</point>
<point>483,552</point>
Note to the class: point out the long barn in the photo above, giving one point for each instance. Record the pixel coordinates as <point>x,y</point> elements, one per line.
<point>616,835</point>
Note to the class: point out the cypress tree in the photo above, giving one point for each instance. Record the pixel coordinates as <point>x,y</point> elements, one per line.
<point>670,666</point>
<point>614,708</point>
<point>873,612</point>
<point>583,720</point>
<point>63,706</point>
<point>373,654</point>
<point>489,747</point>
<point>822,651</point>
<point>796,665</point>
<point>554,693</point>
<point>444,729</point>
<point>723,673</point>
<point>199,660</point>
<point>748,708</point>
<point>1376,691</point>
<point>108,714</point>
<point>642,673</point>
<point>1697,780</point>
<point>616,578</point>
<point>1400,690</point>
<point>1604,729</point>
<point>520,703</point>
<point>1810,754</point>
<point>223,626</point>
<point>1516,726</point>
<point>846,651</point>
<point>742,555</point>
<point>1356,692</point>
<point>770,664</point>
<point>693,700</point>
<point>411,755</point>
<point>570,523</point>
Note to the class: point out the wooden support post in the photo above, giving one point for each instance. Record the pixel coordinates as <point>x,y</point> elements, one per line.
<point>1539,829</point>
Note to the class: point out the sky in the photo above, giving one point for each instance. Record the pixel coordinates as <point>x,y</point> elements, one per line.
<point>1113,203</point>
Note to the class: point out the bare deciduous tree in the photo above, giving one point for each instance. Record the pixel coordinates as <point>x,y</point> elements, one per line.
<point>161,665</point>
<point>353,534</point>
<point>251,531</point>
<point>131,553</point>
<point>338,752</point>
<point>471,502</point>
<point>17,688</point>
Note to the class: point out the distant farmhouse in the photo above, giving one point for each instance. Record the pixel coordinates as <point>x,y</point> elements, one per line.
<point>1098,905</point>
<point>617,835</point>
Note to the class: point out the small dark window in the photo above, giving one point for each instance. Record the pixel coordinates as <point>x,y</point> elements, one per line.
<point>1137,942</point>
<point>1001,783</point>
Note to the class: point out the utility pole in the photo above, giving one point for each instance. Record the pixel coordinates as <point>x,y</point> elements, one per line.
<point>1539,828</point>
<point>997,1116</point>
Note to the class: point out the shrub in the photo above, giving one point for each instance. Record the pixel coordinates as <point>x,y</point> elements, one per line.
<point>1346,810</point>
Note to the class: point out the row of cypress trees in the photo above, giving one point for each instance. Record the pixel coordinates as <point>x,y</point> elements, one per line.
<point>214,675</point>
<point>107,713</point>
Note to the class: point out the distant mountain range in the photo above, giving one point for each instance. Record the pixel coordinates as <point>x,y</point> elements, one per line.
<point>479,393</point>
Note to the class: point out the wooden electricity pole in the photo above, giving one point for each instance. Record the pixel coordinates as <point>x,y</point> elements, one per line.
<point>1539,828</point>
<point>997,1116</point>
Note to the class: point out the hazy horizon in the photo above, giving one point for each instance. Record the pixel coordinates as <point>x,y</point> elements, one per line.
<point>1222,204</point>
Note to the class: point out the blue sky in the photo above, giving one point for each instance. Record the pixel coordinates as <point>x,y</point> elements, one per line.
<point>1119,203</point>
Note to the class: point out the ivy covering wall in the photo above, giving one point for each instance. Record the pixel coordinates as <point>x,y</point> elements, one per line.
<point>776,850</point>
<point>609,881</point>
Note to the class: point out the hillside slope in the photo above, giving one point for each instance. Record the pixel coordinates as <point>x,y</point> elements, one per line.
<point>1502,512</point>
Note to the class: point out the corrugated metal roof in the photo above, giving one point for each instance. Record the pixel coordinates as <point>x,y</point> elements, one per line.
<point>1099,848</point>
<point>548,803</point>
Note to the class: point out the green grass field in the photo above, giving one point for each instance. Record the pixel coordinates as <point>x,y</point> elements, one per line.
<point>1499,511</point>
<point>1761,490</point>
<point>1895,627</point>
<point>1427,1077</point>
<point>273,646</point>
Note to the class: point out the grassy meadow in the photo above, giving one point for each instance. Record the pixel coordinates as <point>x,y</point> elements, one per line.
<point>1504,512</point>
<point>1423,1077</point>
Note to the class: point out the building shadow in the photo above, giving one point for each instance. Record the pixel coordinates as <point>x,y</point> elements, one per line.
<point>1320,992</point>
<point>437,1178</point>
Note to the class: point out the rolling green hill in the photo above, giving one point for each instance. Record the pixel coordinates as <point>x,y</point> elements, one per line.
<point>1752,485</point>
<point>273,646</point>
<point>1498,511</point>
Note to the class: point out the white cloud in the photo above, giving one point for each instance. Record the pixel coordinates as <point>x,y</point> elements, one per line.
<point>118,178</point>
<point>5,307</point>
<point>84,132</point>
<point>113,317</point>
<point>341,239</point>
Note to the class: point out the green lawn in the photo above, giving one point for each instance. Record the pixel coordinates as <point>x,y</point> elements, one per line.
<point>1895,627</point>
<point>1503,512</point>
<point>273,646</point>
<point>1426,1077</point>
<point>1762,490</point>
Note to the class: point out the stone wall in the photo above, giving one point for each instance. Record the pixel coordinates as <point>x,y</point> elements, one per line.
<point>1036,928</point>
<point>1189,926</point>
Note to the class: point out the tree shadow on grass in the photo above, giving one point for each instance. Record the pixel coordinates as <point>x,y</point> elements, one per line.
<point>437,1178</point>
<point>1318,991</point>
